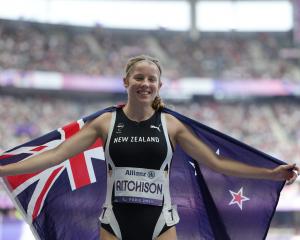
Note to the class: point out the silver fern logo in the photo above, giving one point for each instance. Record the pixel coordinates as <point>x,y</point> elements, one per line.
<point>120,127</point>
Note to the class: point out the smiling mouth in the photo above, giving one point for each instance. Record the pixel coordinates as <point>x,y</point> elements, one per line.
<point>144,92</point>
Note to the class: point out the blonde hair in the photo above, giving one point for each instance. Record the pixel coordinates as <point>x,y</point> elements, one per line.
<point>157,103</point>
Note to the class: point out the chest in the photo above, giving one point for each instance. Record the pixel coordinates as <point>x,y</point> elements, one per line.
<point>138,144</point>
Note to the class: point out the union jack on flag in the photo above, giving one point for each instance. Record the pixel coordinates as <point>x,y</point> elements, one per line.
<point>64,202</point>
<point>30,191</point>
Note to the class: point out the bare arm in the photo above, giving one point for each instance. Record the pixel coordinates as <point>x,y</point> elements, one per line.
<point>69,148</point>
<point>199,151</point>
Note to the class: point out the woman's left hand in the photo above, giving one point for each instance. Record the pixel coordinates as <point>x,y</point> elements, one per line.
<point>288,172</point>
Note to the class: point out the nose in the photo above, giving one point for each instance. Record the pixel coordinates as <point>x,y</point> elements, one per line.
<point>145,82</point>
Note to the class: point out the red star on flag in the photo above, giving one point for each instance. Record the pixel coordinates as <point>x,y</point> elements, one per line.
<point>238,198</point>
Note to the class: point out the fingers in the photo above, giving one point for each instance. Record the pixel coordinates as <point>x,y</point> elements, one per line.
<point>288,172</point>
<point>296,169</point>
<point>292,180</point>
<point>290,166</point>
<point>295,173</point>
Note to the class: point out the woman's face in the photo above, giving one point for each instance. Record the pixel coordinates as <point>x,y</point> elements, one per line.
<point>143,82</point>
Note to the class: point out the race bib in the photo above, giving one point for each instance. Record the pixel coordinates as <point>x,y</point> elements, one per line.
<point>138,185</point>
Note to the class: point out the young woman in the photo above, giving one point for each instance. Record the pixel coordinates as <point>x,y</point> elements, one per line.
<point>139,143</point>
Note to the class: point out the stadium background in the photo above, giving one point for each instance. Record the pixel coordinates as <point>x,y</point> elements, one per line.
<point>243,80</point>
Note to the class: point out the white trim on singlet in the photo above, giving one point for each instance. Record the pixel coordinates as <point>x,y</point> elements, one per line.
<point>109,160</point>
<point>107,216</point>
<point>169,215</point>
<point>169,151</point>
<point>167,198</point>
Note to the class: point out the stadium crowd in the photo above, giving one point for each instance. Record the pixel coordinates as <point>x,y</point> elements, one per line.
<point>99,51</point>
<point>270,127</point>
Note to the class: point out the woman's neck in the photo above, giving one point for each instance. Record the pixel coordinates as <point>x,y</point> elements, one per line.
<point>138,113</point>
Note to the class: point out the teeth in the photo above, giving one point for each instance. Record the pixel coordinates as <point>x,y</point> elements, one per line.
<point>141,92</point>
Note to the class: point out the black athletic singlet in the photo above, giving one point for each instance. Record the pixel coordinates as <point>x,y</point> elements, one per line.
<point>138,157</point>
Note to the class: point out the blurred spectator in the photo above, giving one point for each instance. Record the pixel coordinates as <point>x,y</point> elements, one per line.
<point>98,51</point>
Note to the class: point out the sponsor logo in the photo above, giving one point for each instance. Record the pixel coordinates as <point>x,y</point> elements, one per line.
<point>151,174</point>
<point>156,127</point>
<point>135,173</point>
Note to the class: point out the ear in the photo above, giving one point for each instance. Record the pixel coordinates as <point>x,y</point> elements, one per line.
<point>125,82</point>
<point>160,84</point>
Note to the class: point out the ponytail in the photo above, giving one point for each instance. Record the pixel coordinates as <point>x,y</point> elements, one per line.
<point>157,103</point>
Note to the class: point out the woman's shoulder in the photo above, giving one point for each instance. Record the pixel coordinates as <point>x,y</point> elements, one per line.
<point>102,121</point>
<point>174,124</point>
<point>104,118</point>
<point>170,118</point>
<point>101,124</point>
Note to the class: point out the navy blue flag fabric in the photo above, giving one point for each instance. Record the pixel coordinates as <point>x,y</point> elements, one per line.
<point>64,202</point>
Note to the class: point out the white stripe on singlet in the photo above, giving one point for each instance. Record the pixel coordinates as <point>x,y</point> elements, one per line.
<point>161,222</point>
<point>112,221</point>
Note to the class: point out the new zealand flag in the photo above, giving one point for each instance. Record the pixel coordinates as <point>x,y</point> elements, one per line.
<point>64,202</point>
